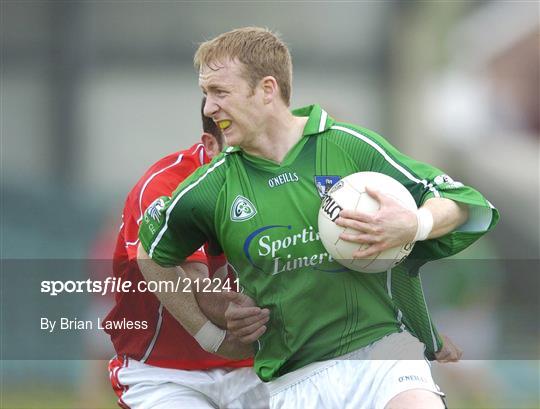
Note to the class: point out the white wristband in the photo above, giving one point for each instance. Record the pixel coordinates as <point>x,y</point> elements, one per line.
<point>210,337</point>
<point>425,224</point>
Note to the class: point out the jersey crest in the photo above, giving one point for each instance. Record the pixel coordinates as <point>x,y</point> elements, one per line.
<point>242,209</point>
<point>446,182</point>
<point>324,183</point>
<point>155,209</point>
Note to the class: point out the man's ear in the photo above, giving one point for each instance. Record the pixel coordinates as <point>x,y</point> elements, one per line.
<point>210,144</point>
<point>270,88</point>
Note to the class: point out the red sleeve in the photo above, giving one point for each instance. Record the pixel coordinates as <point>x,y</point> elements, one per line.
<point>142,196</point>
<point>199,256</point>
<point>130,229</point>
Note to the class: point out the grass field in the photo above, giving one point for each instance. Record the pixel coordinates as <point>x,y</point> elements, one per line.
<point>502,385</point>
<point>54,397</point>
<point>42,397</point>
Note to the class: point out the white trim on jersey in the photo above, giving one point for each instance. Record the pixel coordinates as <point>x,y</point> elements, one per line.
<point>392,162</point>
<point>200,148</point>
<point>322,123</point>
<point>152,176</point>
<point>400,313</point>
<point>433,337</point>
<point>173,204</point>
<point>399,318</point>
<point>113,377</point>
<point>389,289</point>
<point>156,333</point>
<point>201,155</point>
<point>199,145</point>
<point>389,282</point>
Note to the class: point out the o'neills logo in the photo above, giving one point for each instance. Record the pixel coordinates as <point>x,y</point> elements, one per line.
<point>282,179</point>
<point>331,208</point>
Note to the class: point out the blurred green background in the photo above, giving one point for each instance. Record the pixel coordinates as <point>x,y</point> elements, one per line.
<point>93,92</point>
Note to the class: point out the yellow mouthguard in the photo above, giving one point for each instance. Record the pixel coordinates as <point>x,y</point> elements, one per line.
<point>224,124</point>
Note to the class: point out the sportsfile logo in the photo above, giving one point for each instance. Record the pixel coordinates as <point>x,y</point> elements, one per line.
<point>242,209</point>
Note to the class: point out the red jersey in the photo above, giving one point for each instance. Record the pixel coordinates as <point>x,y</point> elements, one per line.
<point>164,342</point>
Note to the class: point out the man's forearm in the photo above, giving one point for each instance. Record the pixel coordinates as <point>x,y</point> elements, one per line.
<point>213,303</point>
<point>181,305</point>
<point>184,307</point>
<point>447,215</point>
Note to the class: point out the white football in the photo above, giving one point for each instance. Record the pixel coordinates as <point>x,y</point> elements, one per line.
<point>350,193</point>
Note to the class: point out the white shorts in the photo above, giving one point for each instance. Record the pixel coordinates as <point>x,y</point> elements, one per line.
<point>144,386</point>
<point>363,379</point>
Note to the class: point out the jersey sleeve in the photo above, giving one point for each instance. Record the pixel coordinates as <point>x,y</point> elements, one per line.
<point>173,228</point>
<point>130,231</point>
<point>159,189</point>
<point>424,181</point>
<point>199,256</point>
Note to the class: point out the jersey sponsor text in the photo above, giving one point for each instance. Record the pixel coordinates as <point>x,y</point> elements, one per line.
<point>283,178</point>
<point>281,263</point>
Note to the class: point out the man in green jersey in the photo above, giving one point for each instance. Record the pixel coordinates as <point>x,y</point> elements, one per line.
<point>336,338</point>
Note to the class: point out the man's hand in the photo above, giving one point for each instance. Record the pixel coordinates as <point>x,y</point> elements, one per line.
<point>449,352</point>
<point>233,348</point>
<point>392,225</point>
<point>245,320</point>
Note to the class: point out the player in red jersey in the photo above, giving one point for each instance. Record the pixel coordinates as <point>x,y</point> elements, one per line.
<point>159,364</point>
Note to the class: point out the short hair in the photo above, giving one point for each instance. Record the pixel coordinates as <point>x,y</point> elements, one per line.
<point>261,51</point>
<point>209,126</point>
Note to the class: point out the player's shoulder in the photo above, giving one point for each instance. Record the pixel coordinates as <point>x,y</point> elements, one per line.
<point>210,179</point>
<point>181,163</point>
<point>167,172</point>
<point>348,131</point>
<point>351,138</point>
<point>213,172</point>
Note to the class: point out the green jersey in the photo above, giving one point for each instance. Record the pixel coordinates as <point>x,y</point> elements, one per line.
<point>263,216</point>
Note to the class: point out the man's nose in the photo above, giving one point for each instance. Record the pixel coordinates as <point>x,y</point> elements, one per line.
<point>210,107</point>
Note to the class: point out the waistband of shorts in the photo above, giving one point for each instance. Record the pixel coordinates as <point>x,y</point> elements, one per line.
<point>297,376</point>
<point>294,377</point>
